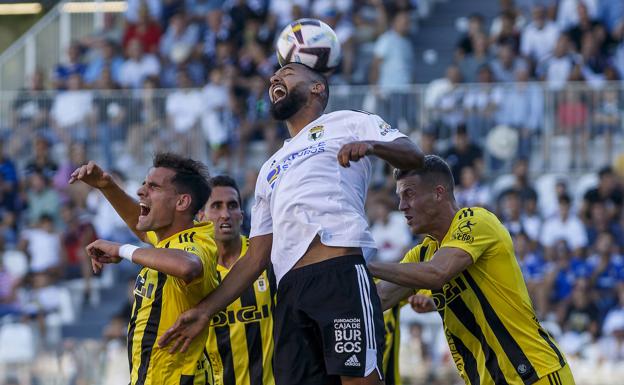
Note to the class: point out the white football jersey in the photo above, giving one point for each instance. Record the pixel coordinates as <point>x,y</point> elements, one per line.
<point>303,191</point>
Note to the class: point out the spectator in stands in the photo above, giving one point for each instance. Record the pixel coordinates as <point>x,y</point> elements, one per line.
<point>138,66</point>
<point>73,66</point>
<point>215,98</point>
<point>572,121</point>
<point>42,161</point>
<point>571,12</point>
<point>145,29</point>
<point>215,31</point>
<point>481,103</point>
<point>9,182</point>
<point>135,8</point>
<point>565,226</point>
<point>522,108</point>
<point>31,107</point>
<point>9,284</point>
<point>79,233</point>
<point>444,97</point>
<point>72,111</point>
<point>562,271</point>
<point>593,62</point>
<point>463,153</point>
<point>608,192</point>
<point>522,181</point>
<point>580,319</point>
<point>607,271</point>
<point>42,245</point>
<point>611,346</point>
<point>514,219</point>
<point>389,231</point>
<point>179,35</point>
<point>607,119</point>
<point>184,109</point>
<point>507,65</point>
<point>77,157</point>
<point>505,30</point>
<point>105,58</point>
<point>538,37</point>
<point>611,13</point>
<point>471,64</point>
<point>471,191</point>
<point>394,56</point>
<point>41,199</point>
<point>465,45</point>
<point>584,25</point>
<point>533,270</point>
<point>556,68</point>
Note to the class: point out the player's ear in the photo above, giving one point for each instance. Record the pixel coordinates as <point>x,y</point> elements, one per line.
<point>184,202</point>
<point>318,88</point>
<point>440,192</point>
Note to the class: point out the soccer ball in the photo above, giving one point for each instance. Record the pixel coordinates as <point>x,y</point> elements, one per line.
<point>310,42</point>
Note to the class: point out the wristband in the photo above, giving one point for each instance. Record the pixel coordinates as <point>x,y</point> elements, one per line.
<point>126,251</point>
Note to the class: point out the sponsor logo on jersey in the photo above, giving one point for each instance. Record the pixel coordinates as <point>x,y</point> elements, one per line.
<point>261,284</point>
<point>244,315</point>
<point>316,133</point>
<point>281,168</point>
<point>464,231</point>
<point>353,361</point>
<point>347,335</point>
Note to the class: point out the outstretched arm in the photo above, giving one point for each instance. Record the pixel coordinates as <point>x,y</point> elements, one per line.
<point>444,266</point>
<point>391,294</point>
<point>127,208</point>
<point>243,274</point>
<point>401,153</point>
<point>174,262</point>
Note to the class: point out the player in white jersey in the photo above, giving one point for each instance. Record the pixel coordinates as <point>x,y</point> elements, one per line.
<point>309,221</point>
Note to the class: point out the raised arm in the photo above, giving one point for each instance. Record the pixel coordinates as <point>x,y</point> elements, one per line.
<point>174,262</point>
<point>243,274</point>
<point>127,208</point>
<point>401,153</point>
<point>444,266</point>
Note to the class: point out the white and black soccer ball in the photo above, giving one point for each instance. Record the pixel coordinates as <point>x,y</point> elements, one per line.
<point>310,42</point>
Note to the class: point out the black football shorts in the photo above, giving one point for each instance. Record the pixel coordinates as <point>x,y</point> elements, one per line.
<point>327,323</point>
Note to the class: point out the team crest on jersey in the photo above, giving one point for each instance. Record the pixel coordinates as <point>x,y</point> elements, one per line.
<point>261,284</point>
<point>191,249</point>
<point>316,133</point>
<point>385,128</point>
<point>273,174</point>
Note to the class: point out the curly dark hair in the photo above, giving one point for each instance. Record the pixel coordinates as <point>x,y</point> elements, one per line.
<point>191,177</point>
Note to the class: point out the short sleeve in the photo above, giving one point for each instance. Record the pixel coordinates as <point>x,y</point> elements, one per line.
<point>261,220</point>
<point>412,256</point>
<point>474,233</point>
<point>372,127</point>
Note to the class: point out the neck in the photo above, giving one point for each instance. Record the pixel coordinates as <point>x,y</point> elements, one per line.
<point>229,251</point>
<point>442,222</point>
<point>302,118</point>
<point>174,228</point>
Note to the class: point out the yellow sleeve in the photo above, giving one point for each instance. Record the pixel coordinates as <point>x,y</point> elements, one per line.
<point>192,248</point>
<point>151,237</point>
<point>412,256</point>
<point>474,234</point>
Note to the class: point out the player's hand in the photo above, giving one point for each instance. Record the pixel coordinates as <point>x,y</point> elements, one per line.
<point>188,326</point>
<point>421,303</point>
<point>103,252</point>
<point>354,151</point>
<point>92,175</point>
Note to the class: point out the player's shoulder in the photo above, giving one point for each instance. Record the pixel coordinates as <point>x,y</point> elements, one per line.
<point>421,251</point>
<point>197,239</point>
<point>352,114</point>
<point>469,218</point>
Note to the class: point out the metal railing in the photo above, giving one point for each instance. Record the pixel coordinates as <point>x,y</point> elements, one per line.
<point>574,129</point>
<point>45,44</point>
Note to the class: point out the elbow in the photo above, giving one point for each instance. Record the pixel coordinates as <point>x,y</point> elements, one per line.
<point>439,279</point>
<point>191,270</point>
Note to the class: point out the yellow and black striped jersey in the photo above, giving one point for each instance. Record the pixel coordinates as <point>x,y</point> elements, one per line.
<point>240,341</point>
<point>392,345</point>
<point>489,321</point>
<point>158,301</point>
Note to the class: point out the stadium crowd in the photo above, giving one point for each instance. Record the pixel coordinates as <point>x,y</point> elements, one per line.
<point>192,76</point>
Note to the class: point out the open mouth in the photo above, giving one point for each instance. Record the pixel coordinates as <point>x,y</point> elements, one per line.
<point>278,92</point>
<point>225,227</point>
<point>145,209</point>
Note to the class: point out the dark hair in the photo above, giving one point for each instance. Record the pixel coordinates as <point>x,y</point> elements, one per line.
<point>319,77</point>
<point>435,169</point>
<point>565,198</point>
<point>191,177</point>
<point>226,181</point>
<point>605,171</point>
